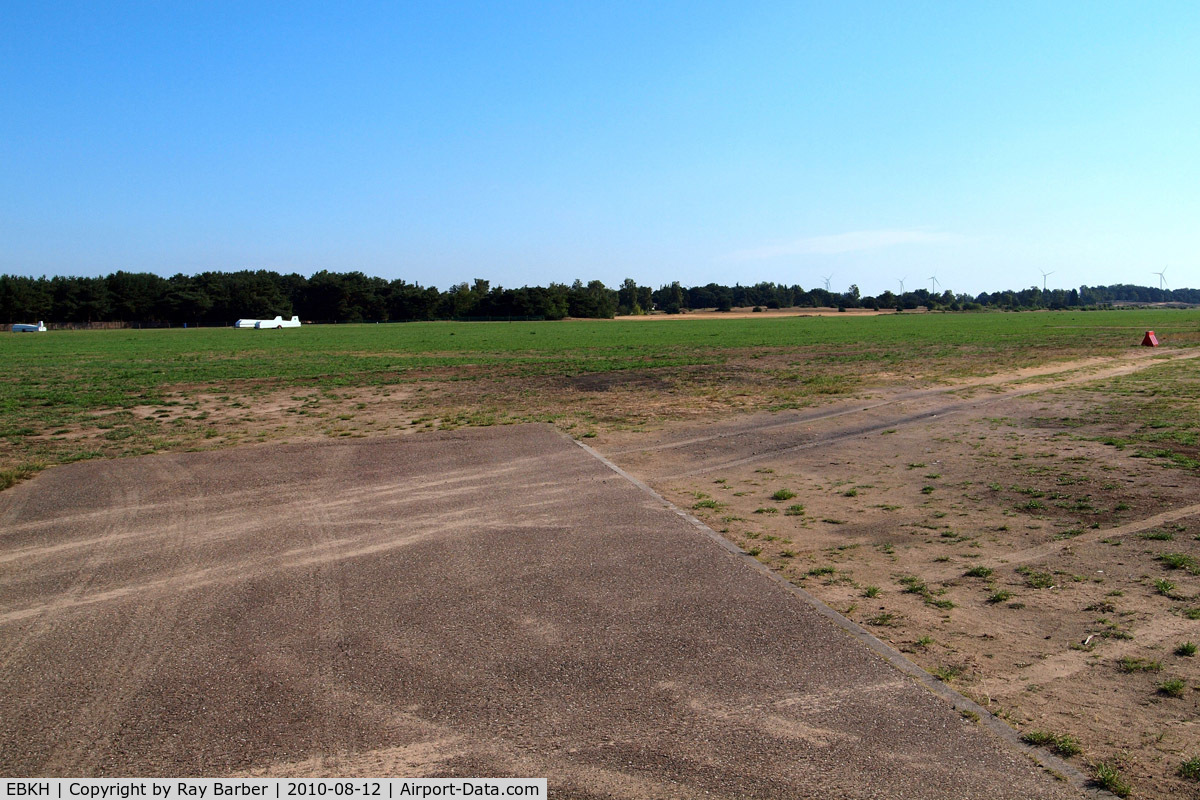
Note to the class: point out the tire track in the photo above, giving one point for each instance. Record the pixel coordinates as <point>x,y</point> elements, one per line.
<point>945,408</point>
<point>1062,545</point>
<point>326,577</point>
<point>133,658</point>
<point>121,498</point>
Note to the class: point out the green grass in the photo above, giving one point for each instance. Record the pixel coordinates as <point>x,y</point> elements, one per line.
<point>783,494</point>
<point>1180,561</point>
<point>1163,586</point>
<point>1172,687</point>
<point>8,477</point>
<point>1156,407</point>
<point>946,672</point>
<point>1190,769</point>
<point>1107,777</point>
<point>1063,745</point>
<point>1157,536</point>
<point>1035,579</point>
<point>1187,649</point>
<point>64,379</point>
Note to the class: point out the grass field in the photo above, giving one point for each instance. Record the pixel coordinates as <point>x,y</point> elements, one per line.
<point>69,395</point>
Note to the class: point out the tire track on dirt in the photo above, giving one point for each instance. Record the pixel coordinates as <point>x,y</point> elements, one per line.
<point>1065,665</point>
<point>945,408</point>
<point>90,734</point>
<point>460,482</point>
<point>305,556</point>
<point>1059,546</point>
<point>1018,377</point>
<point>326,577</point>
<point>120,498</point>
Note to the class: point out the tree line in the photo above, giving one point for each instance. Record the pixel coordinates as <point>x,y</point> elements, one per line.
<point>219,298</point>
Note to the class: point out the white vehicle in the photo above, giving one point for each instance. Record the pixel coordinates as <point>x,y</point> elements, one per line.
<point>259,324</point>
<point>24,328</point>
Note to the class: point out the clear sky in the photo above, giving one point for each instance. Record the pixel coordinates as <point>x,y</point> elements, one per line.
<point>529,142</point>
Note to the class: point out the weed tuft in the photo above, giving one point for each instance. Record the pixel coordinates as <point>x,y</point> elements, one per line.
<point>1107,777</point>
<point>947,672</point>
<point>1128,664</point>
<point>1063,745</point>
<point>8,477</point>
<point>1180,561</point>
<point>1035,579</point>
<point>1157,536</point>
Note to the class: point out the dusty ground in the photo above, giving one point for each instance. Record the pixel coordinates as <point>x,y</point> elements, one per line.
<point>474,603</point>
<point>988,532</point>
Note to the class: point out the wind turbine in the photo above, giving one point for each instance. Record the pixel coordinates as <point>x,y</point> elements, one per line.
<point>827,279</point>
<point>1162,279</point>
<point>933,284</point>
<point>1044,276</point>
<point>901,281</point>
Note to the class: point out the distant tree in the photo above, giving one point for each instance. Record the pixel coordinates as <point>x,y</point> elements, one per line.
<point>594,300</point>
<point>671,298</point>
<point>629,298</point>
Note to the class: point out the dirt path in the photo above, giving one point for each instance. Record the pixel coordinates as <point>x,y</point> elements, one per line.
<point>879,414</point>
<point>494,602</point>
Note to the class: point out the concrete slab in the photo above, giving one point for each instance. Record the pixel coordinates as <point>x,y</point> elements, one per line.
<point>489,602</point>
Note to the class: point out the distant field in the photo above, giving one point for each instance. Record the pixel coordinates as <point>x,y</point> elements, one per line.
<point>54,386</point>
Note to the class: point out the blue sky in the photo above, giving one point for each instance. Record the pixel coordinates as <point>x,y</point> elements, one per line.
<point>529,142</point>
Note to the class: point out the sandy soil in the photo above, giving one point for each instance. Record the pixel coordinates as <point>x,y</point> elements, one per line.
<point>1019,561</point>
<point>492,602</point>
